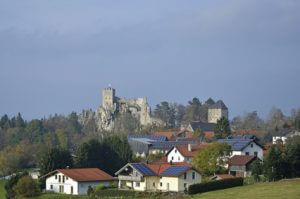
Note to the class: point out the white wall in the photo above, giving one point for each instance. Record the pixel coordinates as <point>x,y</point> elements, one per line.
<point>175,156</point>
<point>79,188</point>
<point>55,184</point>
<point>250,149</point>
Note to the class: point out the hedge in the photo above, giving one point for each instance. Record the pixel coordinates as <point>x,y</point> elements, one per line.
<point>215,185</point>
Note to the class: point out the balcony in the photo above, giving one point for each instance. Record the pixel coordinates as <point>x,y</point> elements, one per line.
<point>130,178</point>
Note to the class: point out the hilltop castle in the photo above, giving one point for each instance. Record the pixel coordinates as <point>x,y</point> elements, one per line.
<point>113,105</point>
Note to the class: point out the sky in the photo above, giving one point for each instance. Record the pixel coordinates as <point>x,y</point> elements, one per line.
<point>57,55</point>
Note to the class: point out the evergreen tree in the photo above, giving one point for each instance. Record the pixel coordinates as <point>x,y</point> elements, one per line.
<point>55,158</point>
<point>19,121</point>
<point>222,129</point>
<point>256,169</point>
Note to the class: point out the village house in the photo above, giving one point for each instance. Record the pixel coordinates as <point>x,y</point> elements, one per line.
<point>76,181</point>
<point>165,177</point>
<point>184,153</point>
<point>243,145</point>
<point>239,165</point>
<point>283,136</point>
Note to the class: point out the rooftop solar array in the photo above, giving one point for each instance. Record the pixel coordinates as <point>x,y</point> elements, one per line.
<point>236,144</point>
<point>175,170</point>
<point>149,137</point>
<point>143,169</point>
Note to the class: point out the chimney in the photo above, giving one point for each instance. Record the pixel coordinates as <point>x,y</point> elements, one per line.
<point>189,147</point>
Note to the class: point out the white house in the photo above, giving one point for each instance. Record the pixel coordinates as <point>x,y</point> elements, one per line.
<point>76,181</point>
<point>184,153</point>
<point>285,135</point>
<point>244,146</point>
<point>163,177</point>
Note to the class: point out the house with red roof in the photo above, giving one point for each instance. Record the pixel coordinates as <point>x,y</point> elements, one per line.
<point>240,165</point>
<point>184,153</point>
<point>76,181</point>
<point>165,177</point>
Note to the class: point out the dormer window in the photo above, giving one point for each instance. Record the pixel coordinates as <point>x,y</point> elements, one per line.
<point>251,145</point>
<point>175,150</point>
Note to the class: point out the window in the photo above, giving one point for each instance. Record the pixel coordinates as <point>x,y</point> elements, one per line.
<point>137,184</point>
<point>61,188</point>
<point>172,158</point>
<point>63,179</point>
<point>153,184</point>
<point>251,145</point>
<point>160,184</point>
<point>178,158</point>
<point>184,185</point>
<point>71,189</point>
<point>193,176</point>
<point>51,186</point>
<point>255,153</point>
<point>175,150</point>
<point>59,178</point>
<point>67,178</point>
<point>184,177</point>
<point>55,177</point>
<point>247,153</point>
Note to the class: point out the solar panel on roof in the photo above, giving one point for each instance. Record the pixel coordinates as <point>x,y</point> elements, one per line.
<point>143,169</point>
<point>174,170</point>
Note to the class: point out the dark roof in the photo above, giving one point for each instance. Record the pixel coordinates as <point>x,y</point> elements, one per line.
<point>159,168</point>
<point>176,170</point>
<point>184,151</point>
<point>219,105</point>
<point>241,160</point>
<point>204,126</point>
<point>150,137</point>
<point>84,174</point>
<point>169,144</point>
<point>143,169</point>
<point>237,144</point>
<point>242,137</point>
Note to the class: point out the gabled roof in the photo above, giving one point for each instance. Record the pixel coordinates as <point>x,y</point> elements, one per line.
<point>218,105</point>
<point>222,176</point>
<point>148,137</point>
<point>184,151</point>
<point>241,160</point>
<point>159,169</point>
<point>204,126</point>
<point>169,135</point>
<point>238,144</point>
<point>84,174</point>
<point>169,144</point>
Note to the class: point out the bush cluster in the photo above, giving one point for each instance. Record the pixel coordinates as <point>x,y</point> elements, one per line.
<point>215,185</point>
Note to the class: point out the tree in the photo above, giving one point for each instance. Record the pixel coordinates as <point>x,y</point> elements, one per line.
<point>193,110</point>
<point>5,122</point>
<point>252,121</point>
<point>166,113</point>
<point>198,133</point>
<point>274,164</point>
<point>180,111</point>
<point>222,129</point>
<point>256,169</point>
<point>19,121</point>
<point>276,119</point>
<point>55,158</point>
<point>62,138</point>
<point>34,131</point>
<point>212,159</point>
<point>26,187</point>
<point>293,156</point>
<point>11,182</point>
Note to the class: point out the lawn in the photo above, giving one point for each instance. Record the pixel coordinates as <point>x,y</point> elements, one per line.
<point>288,189</point>
<point>2,190</point>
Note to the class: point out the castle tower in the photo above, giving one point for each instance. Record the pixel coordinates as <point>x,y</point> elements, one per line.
<point>108,97</point>
<point>217,111</point>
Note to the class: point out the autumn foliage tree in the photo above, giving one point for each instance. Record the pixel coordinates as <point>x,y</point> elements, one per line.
<point>212,159</point>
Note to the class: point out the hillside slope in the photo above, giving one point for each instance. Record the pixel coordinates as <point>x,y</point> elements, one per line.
<point>286,189</point>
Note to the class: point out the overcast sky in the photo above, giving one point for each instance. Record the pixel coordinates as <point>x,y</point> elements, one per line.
<point>57,55</point>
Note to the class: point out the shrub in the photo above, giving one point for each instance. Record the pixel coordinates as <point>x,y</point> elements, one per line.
<point>10,193</point>
<point>27,187</point>
<point>215,185</point>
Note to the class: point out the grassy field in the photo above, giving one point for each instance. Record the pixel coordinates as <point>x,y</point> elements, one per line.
<point>289,189</point>
<point>2,191</point>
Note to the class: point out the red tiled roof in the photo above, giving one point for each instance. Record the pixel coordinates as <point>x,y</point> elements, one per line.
<point>209,134</point>
<point>169,135</point>
<point>86,174</point>
<point>241,160</point>
<point>183,149</point>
